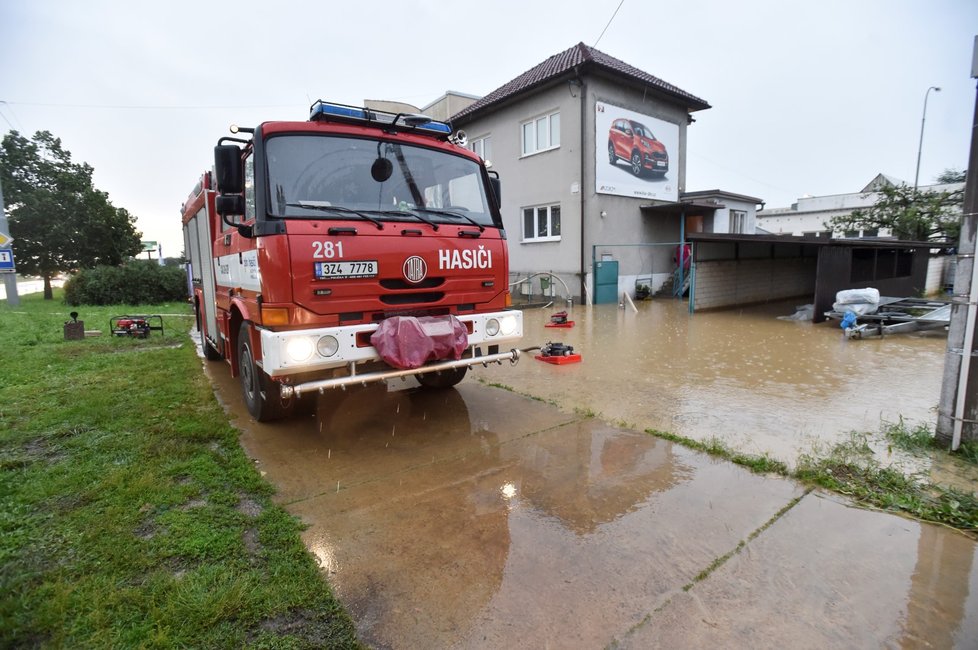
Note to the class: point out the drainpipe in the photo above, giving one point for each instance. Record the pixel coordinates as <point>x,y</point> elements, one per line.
<point>583,87</point>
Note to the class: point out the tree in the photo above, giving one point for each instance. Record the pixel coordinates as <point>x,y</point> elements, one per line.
<point>951,175</point>
<point>59,221</point>
<point>908,213</point>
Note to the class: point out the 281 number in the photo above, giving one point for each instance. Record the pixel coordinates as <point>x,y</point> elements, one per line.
<point>326,250</point>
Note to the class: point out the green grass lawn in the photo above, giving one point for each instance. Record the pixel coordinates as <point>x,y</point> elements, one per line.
<point>129,515</point>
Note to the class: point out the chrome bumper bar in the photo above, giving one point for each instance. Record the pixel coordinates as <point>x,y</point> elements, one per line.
<point>353,379</point>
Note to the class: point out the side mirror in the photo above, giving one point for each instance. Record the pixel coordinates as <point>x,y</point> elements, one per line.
<point>227,169</point>
<point>230,205</point>
<point>497,191</point>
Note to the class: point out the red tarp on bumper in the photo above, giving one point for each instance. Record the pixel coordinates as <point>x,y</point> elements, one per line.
<point>408,342</point>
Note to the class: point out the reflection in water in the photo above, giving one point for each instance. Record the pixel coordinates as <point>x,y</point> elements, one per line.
<point>939,590</point>
<point>758,383</point>
<point>437,531</point>
<point>588,477</point>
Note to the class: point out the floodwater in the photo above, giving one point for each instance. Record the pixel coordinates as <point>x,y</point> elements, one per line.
<point>757,383</point>
<point>479,518</point>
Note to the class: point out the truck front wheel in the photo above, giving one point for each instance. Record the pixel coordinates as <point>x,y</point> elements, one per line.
<point>443,379</point>
<point>261,394</point>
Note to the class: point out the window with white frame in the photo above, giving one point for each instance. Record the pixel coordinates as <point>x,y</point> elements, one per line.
<point>541,134</point>
<point>541,223</point>
<point>738,221</point>
<point>482,147</point>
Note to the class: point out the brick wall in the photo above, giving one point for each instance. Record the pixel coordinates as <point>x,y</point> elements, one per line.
<point>726,283</point>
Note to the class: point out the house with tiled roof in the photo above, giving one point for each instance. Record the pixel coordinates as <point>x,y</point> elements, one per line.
<point>591,152</point>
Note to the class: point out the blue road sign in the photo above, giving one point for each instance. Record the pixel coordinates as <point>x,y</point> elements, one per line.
<point>6,259</point>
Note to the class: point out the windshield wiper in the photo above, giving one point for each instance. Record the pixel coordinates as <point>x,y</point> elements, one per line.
<point>411,213</point>
<point>308,205</point>
<point>452,213</point>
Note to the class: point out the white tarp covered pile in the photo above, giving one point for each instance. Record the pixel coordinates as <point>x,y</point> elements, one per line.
<point>858,301</point>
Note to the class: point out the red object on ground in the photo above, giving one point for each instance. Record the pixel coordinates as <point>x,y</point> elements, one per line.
<point>559,361</point>
<point>408,342</point>
<point>565,325</point>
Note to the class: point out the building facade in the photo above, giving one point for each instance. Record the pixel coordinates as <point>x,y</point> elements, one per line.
<point>591,154</point>
<point>809,215</point>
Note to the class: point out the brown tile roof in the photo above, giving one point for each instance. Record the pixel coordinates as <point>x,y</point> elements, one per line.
<point>587,58</point>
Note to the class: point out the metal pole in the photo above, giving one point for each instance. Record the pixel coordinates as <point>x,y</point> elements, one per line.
<point>957,417</point>
<point>9,279</point>
<point>920,146</point>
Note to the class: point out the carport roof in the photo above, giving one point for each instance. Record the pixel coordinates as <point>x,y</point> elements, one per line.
<point>677,209</point>
<point>812,241</point>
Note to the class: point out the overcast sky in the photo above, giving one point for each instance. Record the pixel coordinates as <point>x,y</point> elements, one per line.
<point>811,97</point>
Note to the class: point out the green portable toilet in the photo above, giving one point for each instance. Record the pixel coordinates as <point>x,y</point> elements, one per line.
<point>605,282</point>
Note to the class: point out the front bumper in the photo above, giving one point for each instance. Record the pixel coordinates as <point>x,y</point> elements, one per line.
<point>294,352</point>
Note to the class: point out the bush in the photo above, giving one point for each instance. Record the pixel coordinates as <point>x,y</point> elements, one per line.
<point>135,283</point>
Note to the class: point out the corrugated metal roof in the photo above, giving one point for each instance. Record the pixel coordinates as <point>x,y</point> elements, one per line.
<point>563,62</point>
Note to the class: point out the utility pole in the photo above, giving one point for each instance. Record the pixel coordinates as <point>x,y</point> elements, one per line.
<point>957,418</point>
<point>9,277</point>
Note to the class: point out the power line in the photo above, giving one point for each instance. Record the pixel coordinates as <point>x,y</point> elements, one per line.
<point>11,113</point>
<point>609,23</point>
<point>148,106</point>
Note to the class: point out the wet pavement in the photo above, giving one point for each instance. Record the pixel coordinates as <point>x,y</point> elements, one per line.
<point>479,518</point>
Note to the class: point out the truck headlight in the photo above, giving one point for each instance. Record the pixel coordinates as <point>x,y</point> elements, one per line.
<point>327,345</point>
<point>507,325</point>
<point>492,327</point>
<point>298,348</point>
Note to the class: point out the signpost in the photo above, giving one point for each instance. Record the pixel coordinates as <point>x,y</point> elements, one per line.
<point>7,268</point>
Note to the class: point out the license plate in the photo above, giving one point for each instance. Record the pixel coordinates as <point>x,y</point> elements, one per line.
<point>346,270</point>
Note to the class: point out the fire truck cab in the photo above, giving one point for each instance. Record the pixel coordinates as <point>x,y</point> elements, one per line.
<point>307,236</point>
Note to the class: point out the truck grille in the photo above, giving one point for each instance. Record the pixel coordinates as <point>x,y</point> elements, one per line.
<point>412,298</point>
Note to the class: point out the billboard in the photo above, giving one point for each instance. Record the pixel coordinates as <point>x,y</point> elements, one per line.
<point>636,155</point>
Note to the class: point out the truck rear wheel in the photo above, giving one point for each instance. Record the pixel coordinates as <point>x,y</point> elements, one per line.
<point>443,379</point>
<point>261,394</point>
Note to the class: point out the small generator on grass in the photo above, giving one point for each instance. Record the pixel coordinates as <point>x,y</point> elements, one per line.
<point>138,327</point>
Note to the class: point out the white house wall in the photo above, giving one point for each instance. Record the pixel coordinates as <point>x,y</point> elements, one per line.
<point>554,177</point>
<point>545,178</point>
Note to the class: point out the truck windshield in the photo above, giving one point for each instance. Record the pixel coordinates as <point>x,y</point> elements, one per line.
<point>388,181</point>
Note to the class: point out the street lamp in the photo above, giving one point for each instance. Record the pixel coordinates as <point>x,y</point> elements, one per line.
<point>920,146</point>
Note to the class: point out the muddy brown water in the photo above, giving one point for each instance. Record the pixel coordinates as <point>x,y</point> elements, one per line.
<point>479,518</point>
<point>758,383</point>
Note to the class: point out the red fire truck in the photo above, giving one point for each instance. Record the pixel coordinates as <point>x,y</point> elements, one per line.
<point>309,238</point>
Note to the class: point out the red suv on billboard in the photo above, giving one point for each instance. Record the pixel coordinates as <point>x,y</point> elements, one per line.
<point>632,141</point>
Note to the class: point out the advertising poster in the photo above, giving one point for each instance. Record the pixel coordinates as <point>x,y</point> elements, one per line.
<point>637,155</point>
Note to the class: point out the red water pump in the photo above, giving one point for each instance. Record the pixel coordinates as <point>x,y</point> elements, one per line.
<point>138,327</point>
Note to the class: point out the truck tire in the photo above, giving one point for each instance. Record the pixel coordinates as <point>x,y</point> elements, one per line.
<point>443,379</point>
<point>261,394</point>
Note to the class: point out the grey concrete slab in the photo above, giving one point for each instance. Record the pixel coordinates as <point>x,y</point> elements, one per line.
<point>827,575</point>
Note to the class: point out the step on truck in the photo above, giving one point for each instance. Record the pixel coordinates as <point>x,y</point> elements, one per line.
<point>337,251</point>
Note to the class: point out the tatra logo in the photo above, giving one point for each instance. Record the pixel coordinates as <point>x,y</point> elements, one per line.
<point>415,269</point>
<point>469,258</point>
